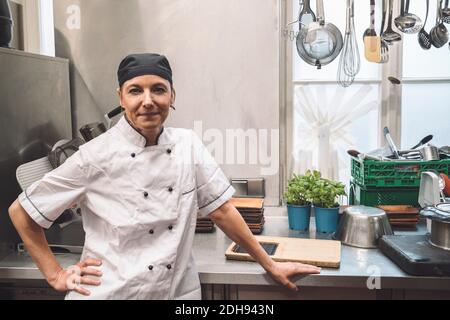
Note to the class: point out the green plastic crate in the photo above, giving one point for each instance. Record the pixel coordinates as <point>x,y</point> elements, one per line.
<point>369,173</point>
<point>377,196</point>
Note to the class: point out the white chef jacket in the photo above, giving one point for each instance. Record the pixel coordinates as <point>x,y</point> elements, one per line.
<point>139,209</point>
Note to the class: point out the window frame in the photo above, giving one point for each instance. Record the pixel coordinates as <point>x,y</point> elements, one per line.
<point>38,34</point>
<point>390,94</point>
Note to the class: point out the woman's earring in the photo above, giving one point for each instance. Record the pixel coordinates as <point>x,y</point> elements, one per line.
<point>173,107</point>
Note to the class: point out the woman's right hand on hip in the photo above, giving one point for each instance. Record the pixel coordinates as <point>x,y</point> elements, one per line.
<point>74,277</point>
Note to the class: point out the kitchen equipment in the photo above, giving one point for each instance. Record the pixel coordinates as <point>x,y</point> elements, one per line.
<point>394,173</point>
<point>306,15</point>
<point>394,80</point>
<point>407,22</point>
<point>430,153</point>
<point>384,54</point>
<point>446,184</point>
<point>372,43</point>
<point>364,156</point>
<point>415,255</point>
<point>445,12</point>
<point>410,154</point>
<point>423,141</point>
<point>389,35</point>
<point>376,196</point>
<point>249,187</point>
<point>439,33</point>
<point>439,212</point>
<point>424,37</point>
<point>381,152</point>
<point>444,152</point>
<point>322,253</point>
<point>439,215</point>
<point>6,24</point>
<point>204,225</point>
<point>429,192</point>
<point>440,234</point>
<point>401,215</point>
<point>319,43</point>
<point>391,143</point>
<point>30,172</point>
<point>62,150</point>
<point>444,149</point>
<point>441,188</point>
<point>349,63</point>
<point>362,226</point>
<point>93,130</point>
<point>32,122</point>
<point>252,211</point>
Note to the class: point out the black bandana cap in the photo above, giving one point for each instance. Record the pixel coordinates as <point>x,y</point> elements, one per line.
<point>135,65</point>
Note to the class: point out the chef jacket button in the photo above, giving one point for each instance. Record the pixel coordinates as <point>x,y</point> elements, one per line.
<point>150,268</point>
<point>146,194</point>
<point>133,155</point>
<point>151,231</point>
<point>169,151</point>
<point>169,266</point>
<point>170,189</point>
<point>170,227</point>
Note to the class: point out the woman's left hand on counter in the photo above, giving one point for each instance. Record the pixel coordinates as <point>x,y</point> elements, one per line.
<point>283,271</point>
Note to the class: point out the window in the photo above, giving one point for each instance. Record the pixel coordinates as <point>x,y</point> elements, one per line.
<point>33,26</point>
<point>327,119</point>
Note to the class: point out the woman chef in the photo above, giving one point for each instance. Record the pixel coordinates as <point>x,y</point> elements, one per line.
<point>140,187</point>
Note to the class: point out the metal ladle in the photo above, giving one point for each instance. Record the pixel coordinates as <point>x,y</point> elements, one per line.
<point>407,22</point>
<point>390,35</point>
<point>424,37</point>
<point>306,16</point>
<point>439,33</point>
<point>446,13</point>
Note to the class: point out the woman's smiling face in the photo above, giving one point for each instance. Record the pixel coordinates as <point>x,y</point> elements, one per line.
<point>147,100</point>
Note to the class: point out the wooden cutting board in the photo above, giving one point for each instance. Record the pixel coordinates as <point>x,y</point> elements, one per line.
<point>247,203</point>
<point>321,253</point>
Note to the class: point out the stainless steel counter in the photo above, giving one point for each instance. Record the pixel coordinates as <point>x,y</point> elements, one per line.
<point>357,265</point>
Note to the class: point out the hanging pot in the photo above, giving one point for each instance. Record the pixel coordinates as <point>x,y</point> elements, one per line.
<point>6,24</point>
<point>319,43</point>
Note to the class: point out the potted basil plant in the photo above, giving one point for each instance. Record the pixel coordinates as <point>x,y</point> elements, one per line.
<point>298,199</point>
<point>324,197</point>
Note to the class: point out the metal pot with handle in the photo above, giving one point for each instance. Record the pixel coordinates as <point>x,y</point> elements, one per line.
<point>319,43</point>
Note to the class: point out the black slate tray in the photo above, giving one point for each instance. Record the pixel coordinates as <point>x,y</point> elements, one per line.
<point>415,255</point>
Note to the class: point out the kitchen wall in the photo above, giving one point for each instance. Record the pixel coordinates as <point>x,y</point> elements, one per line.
<point>225,59</point>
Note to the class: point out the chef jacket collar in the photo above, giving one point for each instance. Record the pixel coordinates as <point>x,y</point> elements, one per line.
<point>134,136</point>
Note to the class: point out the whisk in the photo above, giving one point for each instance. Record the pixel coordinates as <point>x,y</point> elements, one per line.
<point>349,62</point>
